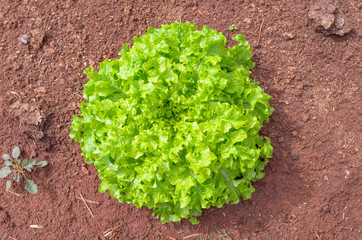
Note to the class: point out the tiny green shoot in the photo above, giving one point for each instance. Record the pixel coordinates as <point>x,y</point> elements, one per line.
<point>233,27</point>
<point>17,166</point>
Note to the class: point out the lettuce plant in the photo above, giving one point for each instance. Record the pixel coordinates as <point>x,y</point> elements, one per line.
<point>173,124</point>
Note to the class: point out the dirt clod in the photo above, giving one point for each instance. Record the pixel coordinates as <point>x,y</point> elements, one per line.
<point>37,38</point>
<point>31,119</point>
<point>288,36</point>
<point>328,19</point>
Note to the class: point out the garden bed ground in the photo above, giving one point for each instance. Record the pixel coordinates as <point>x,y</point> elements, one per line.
<point>312,188</point>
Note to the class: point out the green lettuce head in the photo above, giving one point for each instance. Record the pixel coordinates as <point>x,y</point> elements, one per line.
<point>173,124</point>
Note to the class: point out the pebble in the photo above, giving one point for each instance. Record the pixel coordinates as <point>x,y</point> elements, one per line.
<point>294,156</point>
<point>305,117</point>
<point>325,208</point>
<point>326,178</point>
<point>85,170</point>
<point>299,86</point>
<point>16,66</point>
<point>247,20</point>
<point>25,38</point>
<point>288,36</point>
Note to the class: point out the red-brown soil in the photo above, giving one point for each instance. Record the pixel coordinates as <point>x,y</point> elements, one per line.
<point>312,188</point>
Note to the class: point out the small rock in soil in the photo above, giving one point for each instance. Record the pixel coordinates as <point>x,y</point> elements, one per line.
<point>16,67</point>
<point>288,36</point>
<point>85,170</point>
<point>294,156</point>
<point>326,178</point>
<point>305,117</point>
<point>328,19</point>
<point>248,20</point>
<point>25,38</point>
<point>325,208</point>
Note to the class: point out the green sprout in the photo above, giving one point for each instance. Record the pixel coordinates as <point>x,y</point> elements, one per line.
<point>233,27</point>
<point>17,166</point>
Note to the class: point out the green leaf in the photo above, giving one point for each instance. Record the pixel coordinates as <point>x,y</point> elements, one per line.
<point>31,187</point>
<point>29,162</point>
<point>6,157</point>
<point>42,164</point>
<point>8,184</point>
<point>8,163</point>
<point>17,177</point>
<point>16,152</point>
<point>4,172</point>
<point>233,191</point>
<point>29,168</point>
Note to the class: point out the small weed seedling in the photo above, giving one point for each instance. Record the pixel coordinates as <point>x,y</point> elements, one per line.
<point>17,166</point>
<point>233,27</point>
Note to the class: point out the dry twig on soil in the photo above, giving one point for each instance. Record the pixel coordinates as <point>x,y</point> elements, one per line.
<point>261,26</point>
<point>87,200</point>
<point>16,194</point>
<point>190,236</point>
<point>36,226</point>
<point>90,211</point>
